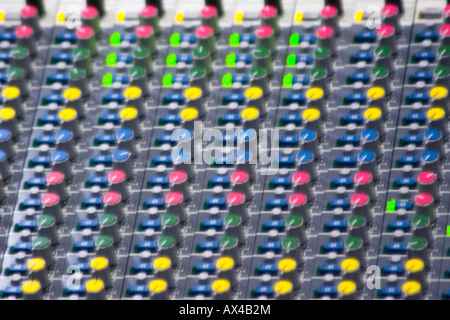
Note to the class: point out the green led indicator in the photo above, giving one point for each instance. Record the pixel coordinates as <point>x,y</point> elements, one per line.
<point>448,231</point>
<point>294,40</point>
<point>111,59</point>
<point>230,60</point>
<point>390,207</point>
<point>288,80</point>
<point>167,80</point>
<point>115,39</point>
<point>175,40</point>
<point>291,60</point>
<point>227,80</point>
<point>171,60</point>
<point>234,39</point>
<point>107,79</point>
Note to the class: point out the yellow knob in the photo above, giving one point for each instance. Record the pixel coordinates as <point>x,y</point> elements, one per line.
<point>193,93</point>
<point>128,113</point>
<point>347,287</point>
<point>72,94</point>
<point>253,93</point>
<point>287,265</point>
<point>132,92</point>
<point>376,92</point>
<point>373,113</point>
<point>67,114</point>
<point>311,114</point>
<point>157,285</point>
<point>435,113</point>
<point>7,113</point>
<point>283,287</point>
<point>314,93</point>
<point>162,263</point>
<point>36,264</point>
<point>95,285</point>
<point>221,285</point>
<point>414,265</point>
<point>11,93</point>
<point>225,263</point>
<point>189,114</point>
<point>350,264</point>
<point>99,263</point>
<point>438,92</point>
<point>250,113</point>
<point>31,286</point>
<point>411,287</point>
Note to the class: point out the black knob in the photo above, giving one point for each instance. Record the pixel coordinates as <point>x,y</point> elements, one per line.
<point>217,4</point>
<point>399,4</point>
<point>335,3</point>
<point>276,4</point>
<point>98,4</point>
<point>156,3</point>
<point>39,4</point>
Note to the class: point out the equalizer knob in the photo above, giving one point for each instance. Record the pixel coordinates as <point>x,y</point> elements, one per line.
<point>64,141</point>
<point>397,3</point>
<point>327,38</point>
<point>109,226</point>
<point>12,98</point>
<point>149,16</point>
<point>8,120</point>
<point>47,228</point>
<point>104,246</point>
<point>26,38</point>
<point>51,206</point>
<point>265,37</point>
<point>117,182</point>
<point>95,289</point>
<point>97,4</point>
<point>269,17</point>
<point>38,4</point>
<point>61,162</point>
<point>37,271</point>
<point>424,205</point>
<point>216,4</point>
<point>29,16</point>
<point>335,3</point>
<point>163,269</point>
<point>390,14</point>
<point>205,38</point>
<point>428,182</point>
<point>386,37</point>
<point>221,289</point>
<point>159,289</point>
<point>276,4</point>
<point>158,4</point>
<point>16,78</point>
<point>202,59</point>
<point>99,267</point>
<point>90,17</point>
<point>86,39</point>
<point>146,38</point>
<point>32,290</point>
<point>330,17</point>
<point>175,205</point>
<point>290,271</point>
<point>20,57</point>
<point>56,184</point>
<point>6,143</point>
<point>237,205</point>
<point>210,18</point>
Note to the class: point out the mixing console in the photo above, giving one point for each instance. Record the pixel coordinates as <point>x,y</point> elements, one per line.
<point>189,149</point>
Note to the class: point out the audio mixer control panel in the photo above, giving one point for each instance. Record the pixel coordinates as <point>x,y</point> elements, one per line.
<point>190,149</point>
